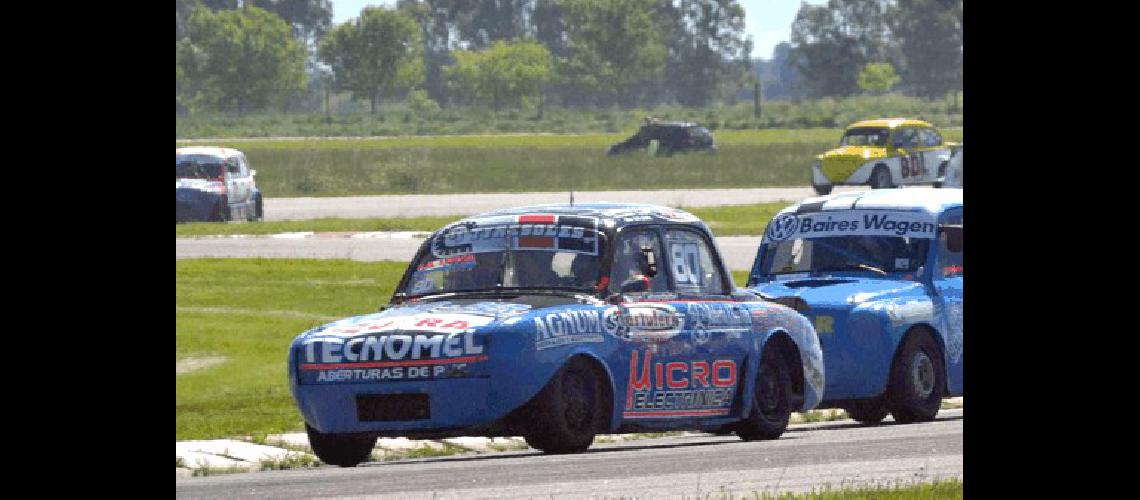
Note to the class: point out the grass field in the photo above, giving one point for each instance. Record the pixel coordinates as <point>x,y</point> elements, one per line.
<point>728,220</point>
<point>247,311</point>
<point>937,490</point>
<point>244,312</point>
<point>514,163</point>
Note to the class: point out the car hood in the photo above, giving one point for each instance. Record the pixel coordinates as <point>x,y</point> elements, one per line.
<point>839,292</point>
<point>840,163</point>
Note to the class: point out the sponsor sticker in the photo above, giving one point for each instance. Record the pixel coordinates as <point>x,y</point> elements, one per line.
<point>644,322</point>
<point>852,223</point>
<point>569,327</point>
<point>564,233</point>
<point>668,389</point>
<point>390,357</point>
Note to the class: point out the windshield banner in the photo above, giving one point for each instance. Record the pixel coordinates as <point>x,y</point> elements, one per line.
<point>851,223</point>
<point>566,233</point>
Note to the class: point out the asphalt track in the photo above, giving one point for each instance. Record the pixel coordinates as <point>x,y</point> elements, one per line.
<point>810,456</point>
<point>738,251</point>
<point>466,204</point>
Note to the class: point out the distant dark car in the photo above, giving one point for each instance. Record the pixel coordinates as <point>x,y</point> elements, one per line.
<point>671,137</point>
<point>214,184</point>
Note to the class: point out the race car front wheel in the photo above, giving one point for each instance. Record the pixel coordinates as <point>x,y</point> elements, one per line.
<point>822,190</point>
<point>771,401</point>
<point>345,450</point>
<point>914,393</point>
<point>881,178</point>
<point>565,416</point>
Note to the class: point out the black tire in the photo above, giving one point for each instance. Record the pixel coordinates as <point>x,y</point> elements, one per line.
<point>869,412</point>
<point>881,178</point>
<point>822,190</point>
<point>772,400</point>
<point>566,414</point>
<point>914,393</point>
<point>257,213</point>
<point>344,450</point>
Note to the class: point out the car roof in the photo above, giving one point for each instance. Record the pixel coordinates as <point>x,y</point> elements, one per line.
<point>207,150</point>
<point>619,213</point>
<point>931,200</point>
<point>891,123</point>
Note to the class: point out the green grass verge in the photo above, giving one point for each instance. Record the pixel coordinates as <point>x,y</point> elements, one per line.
<point>329,224</point>
<point>937,490</point>
<point>514,163</point>
<point>248,310</point>
<point>724,221</point>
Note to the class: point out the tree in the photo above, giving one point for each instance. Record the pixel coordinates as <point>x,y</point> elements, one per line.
<point>310,19</point>
<point>615,47</point>
<point>877,77</point>
<point>504,73</point>
<point>929,37</point>
<point>831,43</point>
<point>375,54</point>
<point>237,58</point>
<point>706,46</point>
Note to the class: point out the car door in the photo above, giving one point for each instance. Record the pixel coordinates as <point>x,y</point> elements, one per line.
<point>934,154</point>
<point>679,371</point>
<point>947,291</point>
<point>233,180</point>
<point>908,147</point>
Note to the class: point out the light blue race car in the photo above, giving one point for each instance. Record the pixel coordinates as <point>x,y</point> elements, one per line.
<point>558,322</point>
<point>880,275</point>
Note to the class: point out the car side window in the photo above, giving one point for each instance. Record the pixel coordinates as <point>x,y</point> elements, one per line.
<point>244,166</point>
<point>627,260</point>
<point>931,138</point>
<point>949,247</point>
<point>691,263</point>
<point>233,167</point>
<point>906,138</point>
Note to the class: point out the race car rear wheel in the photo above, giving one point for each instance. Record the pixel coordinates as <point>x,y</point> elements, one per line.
<point>867,412</point>
<point>822,190</point>
<point>565,415</point>
<point>771,402</point>
<point>881,178</point>
<point>344,450</point>
<point>917,379</point>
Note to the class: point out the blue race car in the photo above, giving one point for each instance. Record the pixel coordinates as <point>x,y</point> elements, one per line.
<point>880,275</point>
<point>557,322</point>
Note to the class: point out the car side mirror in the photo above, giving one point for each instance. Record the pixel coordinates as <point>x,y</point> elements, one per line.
<point>648,262</point>
<point>252,173</point>
<point>635,285</point>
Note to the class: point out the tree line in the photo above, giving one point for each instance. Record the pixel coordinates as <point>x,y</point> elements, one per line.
<point>245,55</point>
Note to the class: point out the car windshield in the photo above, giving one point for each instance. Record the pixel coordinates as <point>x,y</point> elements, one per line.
<point>197,167</point>
<point>488,257</point>
<point>865,136</point>
<point>876,254</point>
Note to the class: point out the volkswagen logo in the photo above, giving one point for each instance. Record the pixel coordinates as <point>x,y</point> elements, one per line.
<point>782,227</point>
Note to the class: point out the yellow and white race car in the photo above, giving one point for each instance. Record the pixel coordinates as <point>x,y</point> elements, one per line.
<point>884,153</point>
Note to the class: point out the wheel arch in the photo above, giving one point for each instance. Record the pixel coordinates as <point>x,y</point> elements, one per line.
<point>602,370</point>
<point>781,342</point>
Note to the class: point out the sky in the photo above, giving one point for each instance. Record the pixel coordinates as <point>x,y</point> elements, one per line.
<point>769,22</point>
